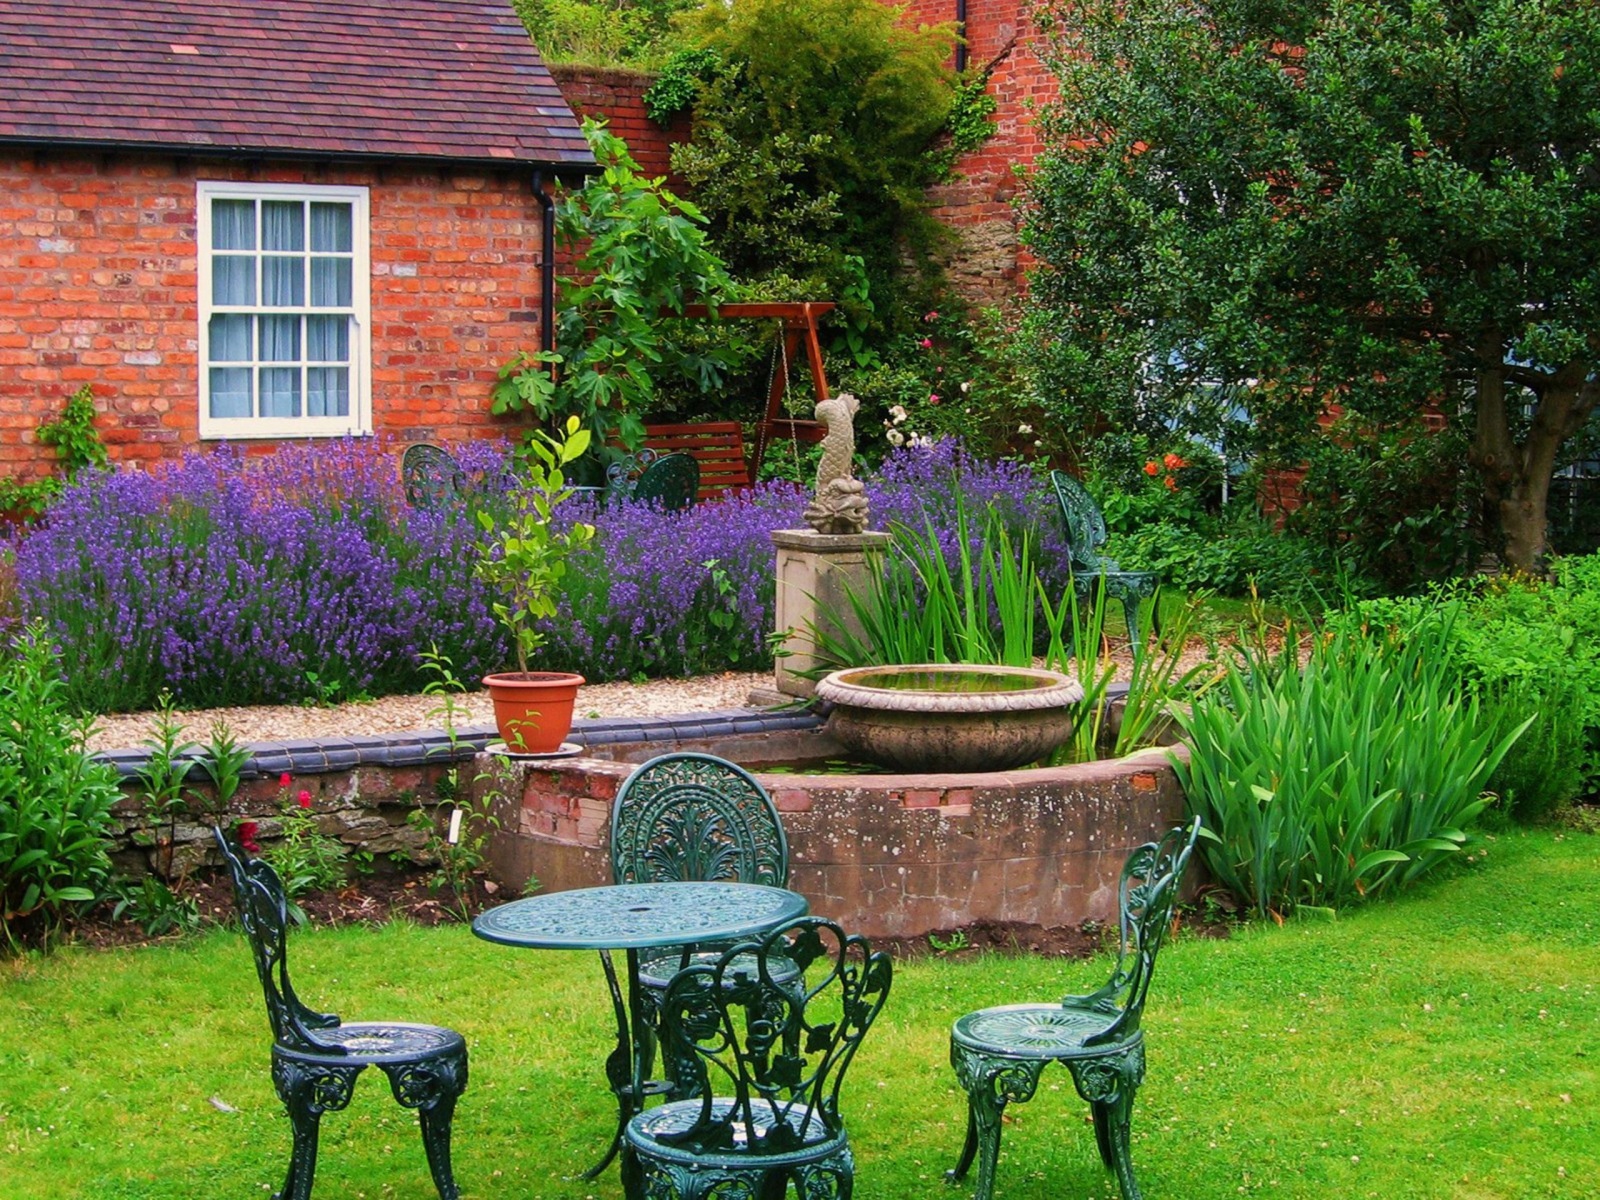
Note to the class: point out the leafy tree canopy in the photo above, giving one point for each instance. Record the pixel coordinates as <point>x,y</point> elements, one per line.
<point>810,139</point>
<point>1375,204</point>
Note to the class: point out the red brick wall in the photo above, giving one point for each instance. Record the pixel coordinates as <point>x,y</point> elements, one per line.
<point>617,97</point>
<point>98,286</point>
<point>989,265</point>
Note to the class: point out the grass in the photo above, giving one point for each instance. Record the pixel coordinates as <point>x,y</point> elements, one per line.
<point>1442,1045</point>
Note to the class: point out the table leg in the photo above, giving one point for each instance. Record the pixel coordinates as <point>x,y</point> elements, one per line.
<point>622,1070</point>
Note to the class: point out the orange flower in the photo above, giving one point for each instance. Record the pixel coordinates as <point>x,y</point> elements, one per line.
<point>1172,484</point>
<point>1172,462</point>
<point>1152,467</point>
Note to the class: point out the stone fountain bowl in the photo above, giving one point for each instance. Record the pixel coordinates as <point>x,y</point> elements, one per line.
<point>950,717</point>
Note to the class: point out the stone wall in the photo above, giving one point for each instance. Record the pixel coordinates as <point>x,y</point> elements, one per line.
<point>884,855</point>
<point>98,285</point>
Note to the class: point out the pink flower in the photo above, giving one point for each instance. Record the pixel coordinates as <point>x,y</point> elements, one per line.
<point>927,343</point>
<point>933,399</point>
<point>284,780</point>
<point>305,799</point>
<point>933,316</point>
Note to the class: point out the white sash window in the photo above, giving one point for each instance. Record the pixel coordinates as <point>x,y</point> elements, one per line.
<point>285,308</point>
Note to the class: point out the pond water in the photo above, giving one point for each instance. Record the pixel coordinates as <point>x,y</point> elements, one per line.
<point>901,679</point>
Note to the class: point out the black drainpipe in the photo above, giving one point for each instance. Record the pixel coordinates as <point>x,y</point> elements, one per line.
<point>547,262</point>
<point>961,29</point>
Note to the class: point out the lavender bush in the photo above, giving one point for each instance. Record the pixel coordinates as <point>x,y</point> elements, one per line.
<point>234,580</point>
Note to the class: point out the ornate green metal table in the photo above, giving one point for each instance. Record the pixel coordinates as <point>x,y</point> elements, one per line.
<point>633,917</point>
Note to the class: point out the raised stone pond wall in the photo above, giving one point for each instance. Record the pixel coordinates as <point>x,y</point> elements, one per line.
<point>885,855</point>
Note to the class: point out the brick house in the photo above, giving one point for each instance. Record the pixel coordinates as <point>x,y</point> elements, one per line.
<point>245,221</point>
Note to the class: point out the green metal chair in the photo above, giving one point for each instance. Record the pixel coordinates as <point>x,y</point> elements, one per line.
<point>691,817</point>
<point>999,1053</point>
<point>672,481</point>
<point>694,818</point>
<point>431,475</point>
<point>1086,533</point>
<point>766,1060</point>
<point>316,1058</point>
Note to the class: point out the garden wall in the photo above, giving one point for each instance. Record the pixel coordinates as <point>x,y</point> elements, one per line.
<point>617,97</point>
<point>98,286</point>
<point>885,855</point>
<point>989,264</point>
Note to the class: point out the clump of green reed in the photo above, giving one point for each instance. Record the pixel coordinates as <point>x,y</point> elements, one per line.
<point>1344,779</point>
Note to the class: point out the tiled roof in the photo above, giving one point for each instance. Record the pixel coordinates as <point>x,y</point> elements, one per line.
<point>436,79</point>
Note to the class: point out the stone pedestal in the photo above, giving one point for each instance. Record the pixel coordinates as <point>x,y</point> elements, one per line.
<point>814,570</point>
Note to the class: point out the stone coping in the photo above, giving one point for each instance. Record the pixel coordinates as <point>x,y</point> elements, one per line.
<point>421,747</point>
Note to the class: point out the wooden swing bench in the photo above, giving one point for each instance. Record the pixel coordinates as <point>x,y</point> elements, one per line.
<point>718,446</point>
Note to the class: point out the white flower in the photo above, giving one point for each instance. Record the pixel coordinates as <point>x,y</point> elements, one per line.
<point>898,412</point>
<point>1024,428</point>
<point>896,438</point>
<point>966,386</point>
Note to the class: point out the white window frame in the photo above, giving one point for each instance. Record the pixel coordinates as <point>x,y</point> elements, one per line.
<point>358,421</point>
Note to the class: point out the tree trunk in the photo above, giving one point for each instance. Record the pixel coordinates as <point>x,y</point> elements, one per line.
<point>1516,478</point>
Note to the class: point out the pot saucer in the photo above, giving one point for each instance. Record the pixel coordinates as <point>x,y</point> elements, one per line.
<point>568,750</point>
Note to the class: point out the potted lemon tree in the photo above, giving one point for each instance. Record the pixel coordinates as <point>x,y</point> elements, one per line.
<point>524,559</point>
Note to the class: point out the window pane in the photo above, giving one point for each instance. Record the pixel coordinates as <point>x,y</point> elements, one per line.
<point>283,283</point>
<point>233,224</point>
<point>233,279</point>
<point>280,339</point>
<point>280,391</point>
<point>230,338</point>
<point>283,225</point>
<point>230,391</point>
<point>331,228</point>
<point>330,283</point>
<point>327,392</point>
<point>327,339</point>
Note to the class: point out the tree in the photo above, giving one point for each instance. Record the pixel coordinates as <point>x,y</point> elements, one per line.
<point>1377,205</point>
<point>811,143</point>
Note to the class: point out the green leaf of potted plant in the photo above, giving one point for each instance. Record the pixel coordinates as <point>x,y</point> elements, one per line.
<point>524,559</point>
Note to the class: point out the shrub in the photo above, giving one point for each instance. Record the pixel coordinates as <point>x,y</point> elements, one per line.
<point>1345,780</point>
<point>1525,647</point>
<point>810,143</point>
<point>232,581</point>
<point>649,595</point>
<point>55,801</point>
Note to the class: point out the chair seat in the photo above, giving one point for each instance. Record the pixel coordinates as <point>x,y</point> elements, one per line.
<point>1037,1031</point>
<point>657,971</point>
<point>646,1132</point>
<point>381,1042</point>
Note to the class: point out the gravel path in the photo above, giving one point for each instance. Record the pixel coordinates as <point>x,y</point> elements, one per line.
<point>659,697</point>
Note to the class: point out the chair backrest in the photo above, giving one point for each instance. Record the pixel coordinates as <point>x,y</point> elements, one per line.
<point>264,913</point>
<point>431,475</point>
<point>1146,894</point>
<point>671,481</point>
<point>696,818</point>
<point>1085,526</point>
<point>748,1028</point>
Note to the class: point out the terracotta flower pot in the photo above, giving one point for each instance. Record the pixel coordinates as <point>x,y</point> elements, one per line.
<point>533,710</point>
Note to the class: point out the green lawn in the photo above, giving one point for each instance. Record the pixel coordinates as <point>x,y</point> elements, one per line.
<point>1445,1045</point>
